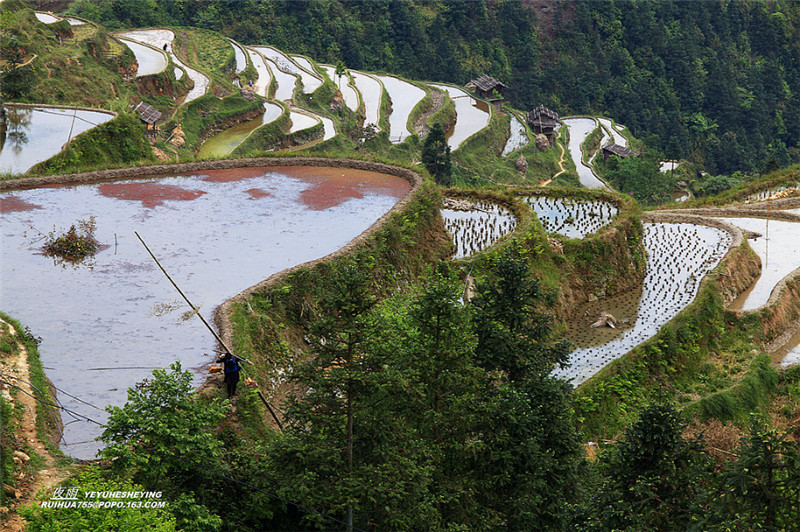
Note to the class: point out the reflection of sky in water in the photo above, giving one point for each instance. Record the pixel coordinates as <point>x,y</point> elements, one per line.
<point>158,38</point>
<point>471,115</point>
<point>35,134</point>
<point>579,129</point>
<point>224,142</point>
<point>349,94</point>
<point>310,81</point>
<point>371,92</point>
<point>517,138</point>
<point>405,97</point>
<point>779,251</point>
<point>678,256</point>
<point>473,231</point>
<point>573,219</point>
<point>150,61</point>
<point>233,236</point>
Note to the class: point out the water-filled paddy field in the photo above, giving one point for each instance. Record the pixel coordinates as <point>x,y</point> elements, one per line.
<point>474,230</point>
<point>160,38</point>
<point>371,93</point>
<point>285,82</point>
<point>678,256</point>
<point>261,85</point>
<point>517,138</point>
<point>226,141</point>
<point>405,97</point>
<point>471,115</point>
<point>150,60</point>
<point>349,94</point>
<point>310,81</point>
<point>34,134</point>
<point>571,218</point>
<point>217,233</point>
<point>579,129</point>
<point>778,247</point>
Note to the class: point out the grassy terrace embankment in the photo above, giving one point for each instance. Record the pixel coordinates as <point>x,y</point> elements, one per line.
<point>703,349</point>
<point>267,322</point>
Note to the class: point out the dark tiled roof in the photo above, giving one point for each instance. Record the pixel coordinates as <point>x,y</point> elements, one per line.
<point>148,114</point>
<point>543,112</point>
<point>622,151</point>
<point>487,83</point>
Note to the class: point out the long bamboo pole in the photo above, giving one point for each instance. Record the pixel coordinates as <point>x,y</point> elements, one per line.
<point>197,311</point>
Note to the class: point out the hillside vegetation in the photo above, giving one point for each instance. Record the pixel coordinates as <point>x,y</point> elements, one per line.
<point>406,391</point>
<point>714,81</point>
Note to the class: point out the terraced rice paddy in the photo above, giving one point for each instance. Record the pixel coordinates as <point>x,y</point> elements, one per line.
<point>579,129</point>
<point>261,85</point>
<point>226,141</point>
<point>570,218</point>
<point>241,59</point>
<point>286,82</point>
<point>616,137</point>
<point>35,134</point>
<point>371,93</point>
<point>46,18</point>
<point>778,247</point>
<point>349,94</point>
<point>303,62</point>
<point>150,60</point>
<point>477,229</point>
<point>471,115</point>
<point>666,166</point>
<point>329,129</point>
<point>311,82</point>
<point>405,97</point>
<point>678,256</point>
<point>517,138</point>
<point>159,38</point>
<point>301,121</point>
<point>789,354</point>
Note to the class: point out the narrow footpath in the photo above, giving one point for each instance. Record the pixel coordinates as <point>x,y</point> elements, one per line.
<point>15,373</point>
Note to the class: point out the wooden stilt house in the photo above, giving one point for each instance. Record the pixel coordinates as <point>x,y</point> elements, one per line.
<point>544,121</point>
<point>148,115</point>
<point>486,87</point>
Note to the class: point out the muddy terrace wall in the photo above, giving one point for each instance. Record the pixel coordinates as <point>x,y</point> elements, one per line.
<point>606,263</point>
<point>610,400</point>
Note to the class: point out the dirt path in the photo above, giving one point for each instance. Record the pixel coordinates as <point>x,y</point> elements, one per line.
<point>421,126</point>
<point>560,164</point>
<point>15,371</point>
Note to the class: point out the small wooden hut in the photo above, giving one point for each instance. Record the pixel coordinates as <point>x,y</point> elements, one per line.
<point>485,87</point>
<point>544,121</point>
<point>148,115</point>
<point>620,151</point>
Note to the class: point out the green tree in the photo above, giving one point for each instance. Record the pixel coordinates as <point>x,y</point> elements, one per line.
<point>513,336</point>
<point>163,435</point>
<point>762,487</point>
<point>341,70</point>
<point>654,478</point>
<point>436,155</point>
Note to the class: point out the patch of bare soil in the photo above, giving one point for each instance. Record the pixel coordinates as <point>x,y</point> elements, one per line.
<point>14,371</point>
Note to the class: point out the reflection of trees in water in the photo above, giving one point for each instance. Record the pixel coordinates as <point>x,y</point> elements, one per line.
<point>18,122</point>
